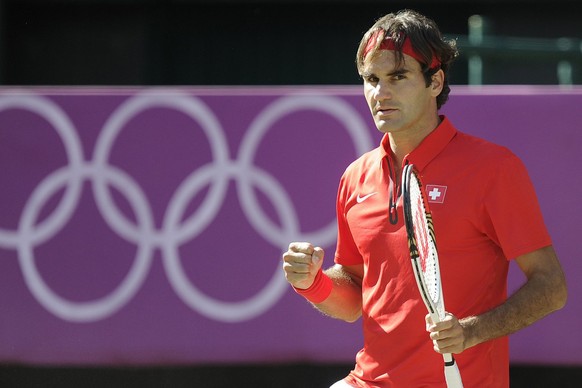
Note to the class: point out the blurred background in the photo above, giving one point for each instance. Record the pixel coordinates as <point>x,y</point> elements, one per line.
<point>271,42</point>
<point>140,43</point>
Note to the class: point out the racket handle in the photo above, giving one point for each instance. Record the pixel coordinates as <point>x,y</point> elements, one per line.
<point>452,373</point>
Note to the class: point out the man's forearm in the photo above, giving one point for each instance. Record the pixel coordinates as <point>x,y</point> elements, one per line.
<point>538,297</point>
<point>345,300</point>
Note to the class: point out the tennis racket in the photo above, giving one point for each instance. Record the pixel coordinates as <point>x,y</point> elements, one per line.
<point>425,261</point>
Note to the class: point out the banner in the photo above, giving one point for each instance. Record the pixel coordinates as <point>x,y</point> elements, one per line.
<point>146,226</point>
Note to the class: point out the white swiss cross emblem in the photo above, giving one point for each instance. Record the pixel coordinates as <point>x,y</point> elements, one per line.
<point>436,193</point>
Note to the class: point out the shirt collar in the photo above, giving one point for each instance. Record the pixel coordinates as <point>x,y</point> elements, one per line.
<point>428,149</point>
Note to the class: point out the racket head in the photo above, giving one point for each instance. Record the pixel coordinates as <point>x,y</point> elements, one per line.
<point>422,242</point>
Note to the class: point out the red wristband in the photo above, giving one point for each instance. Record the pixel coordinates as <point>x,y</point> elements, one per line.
<point>319,290</point>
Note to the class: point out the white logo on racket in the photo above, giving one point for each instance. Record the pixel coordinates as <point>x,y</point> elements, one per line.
<point>421,237</point>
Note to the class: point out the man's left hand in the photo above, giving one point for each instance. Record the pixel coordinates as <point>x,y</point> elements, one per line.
<point>447,336</point>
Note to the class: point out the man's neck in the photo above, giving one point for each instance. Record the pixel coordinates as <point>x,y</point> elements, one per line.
<point>404,143</point>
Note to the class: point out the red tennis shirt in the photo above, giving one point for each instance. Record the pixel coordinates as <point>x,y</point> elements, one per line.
<point>485,212</point>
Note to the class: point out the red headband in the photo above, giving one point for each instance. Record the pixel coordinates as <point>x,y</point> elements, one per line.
<point>388,44</point>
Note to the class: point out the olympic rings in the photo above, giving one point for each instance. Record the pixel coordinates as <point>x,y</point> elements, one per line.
<point>174,231</point>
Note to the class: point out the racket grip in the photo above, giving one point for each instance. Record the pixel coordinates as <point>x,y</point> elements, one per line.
<point>452,373</point>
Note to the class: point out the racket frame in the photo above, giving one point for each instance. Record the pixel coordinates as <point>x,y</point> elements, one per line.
<point>452,373</point>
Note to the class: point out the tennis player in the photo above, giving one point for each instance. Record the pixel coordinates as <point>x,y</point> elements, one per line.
<point>485,212</point>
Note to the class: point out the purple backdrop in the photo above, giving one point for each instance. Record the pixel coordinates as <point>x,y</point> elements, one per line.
<point>146,226</point>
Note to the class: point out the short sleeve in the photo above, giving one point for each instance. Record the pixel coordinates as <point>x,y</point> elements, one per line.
<point>510,201</point>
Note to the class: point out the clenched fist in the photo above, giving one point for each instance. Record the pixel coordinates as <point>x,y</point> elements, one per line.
<point>301,263</point>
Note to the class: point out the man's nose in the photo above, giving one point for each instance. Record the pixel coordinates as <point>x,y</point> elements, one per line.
<point>382,91</point>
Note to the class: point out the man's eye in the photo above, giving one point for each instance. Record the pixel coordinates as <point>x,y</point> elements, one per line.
<point>372,79</point>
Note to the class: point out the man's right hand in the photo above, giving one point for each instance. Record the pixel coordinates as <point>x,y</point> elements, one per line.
<point>301,263</point>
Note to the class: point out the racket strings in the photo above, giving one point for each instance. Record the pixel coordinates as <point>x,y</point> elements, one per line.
<point>425,239</point>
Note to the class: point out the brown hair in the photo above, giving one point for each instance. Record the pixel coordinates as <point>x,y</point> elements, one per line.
<point>426,39</point>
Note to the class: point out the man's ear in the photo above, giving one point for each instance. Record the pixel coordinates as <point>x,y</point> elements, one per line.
<point>437,82</point>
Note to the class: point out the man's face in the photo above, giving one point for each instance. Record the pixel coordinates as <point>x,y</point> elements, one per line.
<point>398,98</point>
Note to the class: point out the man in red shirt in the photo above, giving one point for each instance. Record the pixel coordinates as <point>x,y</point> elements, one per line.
<point>485,213</point>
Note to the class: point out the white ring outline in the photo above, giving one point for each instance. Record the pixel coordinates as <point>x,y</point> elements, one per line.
<point>113,301</point>
<point>193,108</point>
<point>333,106</point>
<point>59,120</point>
